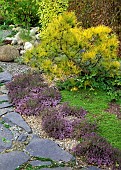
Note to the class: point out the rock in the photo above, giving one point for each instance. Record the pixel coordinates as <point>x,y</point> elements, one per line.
<point>5,77</point>
<point>9,38</point>
<point>5,110</point>
<point>5,105</point>
<point>37,36</point>
<point>39,163</point>
<point>4,98</point>
<point>22,137</point>
<point>17,36</point>
<point>6,137</point>
<point>28,46</point>
<point>33,31</point>
<point>16,119</point>
<point>46,148</point>
<point>8,53</point>
<point>20,42</point>
<point>11,160</point>
<point>22,52</point>
<point>14,41</point>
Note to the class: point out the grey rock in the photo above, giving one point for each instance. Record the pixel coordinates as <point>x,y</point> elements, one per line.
<point>5,110</point>
<point>5,138</point>
<point>3,89</point>
<point>11,160</point>
<point>58,168</point>
<point>39,163</point>
<point>8,53</point>
<point>5,77</point>
<point>91,168</point>
<point>4,33</point>
<point>48,149</point>
<point>22,137</point>
<point>5,105</point>
<point>17,120</point>
<point>4,98</point>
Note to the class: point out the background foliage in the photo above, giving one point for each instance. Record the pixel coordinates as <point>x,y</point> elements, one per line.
<point>21,12</point>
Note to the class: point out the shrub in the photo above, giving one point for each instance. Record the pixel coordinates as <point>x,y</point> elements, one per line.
<point>71,51</point>
<point>48,9</point>
<point>98,151</point>
<point>21,12</point>
<point>31,95</point>
<point>93,13</point>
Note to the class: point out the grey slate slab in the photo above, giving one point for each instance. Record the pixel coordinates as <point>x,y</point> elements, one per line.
<point>39,163</point>
<point>17,120</point>
<point>11,160</point>
<point>3,89</point>
<point>6,137</point>
<point>5,77</point>
<point>4,98</point>
<point>48,149</point>
<point>5,110</point>
<point>5,105</point>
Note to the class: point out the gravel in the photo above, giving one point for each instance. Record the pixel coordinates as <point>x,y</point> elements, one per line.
<point>14,68</point>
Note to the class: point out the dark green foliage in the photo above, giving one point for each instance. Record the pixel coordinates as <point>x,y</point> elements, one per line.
<point>21,12</point>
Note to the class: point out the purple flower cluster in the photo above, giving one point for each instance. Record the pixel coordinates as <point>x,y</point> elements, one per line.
<point>98,151</point>
<point>31,95</point>
<point>64,122</point>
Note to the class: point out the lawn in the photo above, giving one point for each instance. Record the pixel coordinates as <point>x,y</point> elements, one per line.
<point>96,103</point>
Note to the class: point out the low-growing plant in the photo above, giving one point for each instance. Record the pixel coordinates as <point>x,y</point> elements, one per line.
<point>66,122</point>
<point>31,95</point>
<point>98,151</point>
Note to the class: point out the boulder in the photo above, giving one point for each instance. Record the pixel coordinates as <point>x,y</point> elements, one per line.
<point>8,53</point>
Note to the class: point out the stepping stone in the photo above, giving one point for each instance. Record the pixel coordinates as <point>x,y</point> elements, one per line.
<point>39,163</point>
<point>46,148</point>
<point>58,168</point>
<point>5,110</point>
<point>5,105</point>
<point>6,137</point>
<point>16,119</point>
<point>11,160</point>
<point>5,77</point>
<point>3,89</point>
<point>4,98</point>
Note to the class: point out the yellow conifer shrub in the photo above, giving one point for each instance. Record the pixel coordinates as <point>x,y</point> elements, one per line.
<point>68,50</point>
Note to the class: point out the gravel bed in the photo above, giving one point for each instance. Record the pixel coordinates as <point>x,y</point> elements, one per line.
<point>34,121</point>
<point>14,68</point>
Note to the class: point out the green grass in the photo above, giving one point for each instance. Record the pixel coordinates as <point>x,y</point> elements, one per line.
<point>96,102</point>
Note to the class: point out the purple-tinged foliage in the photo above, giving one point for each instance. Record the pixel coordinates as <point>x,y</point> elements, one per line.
<point>61,122</point>
<point>98,151</point>
<point>31,95</point>
<point>66,110</point>
<point>56,125</point>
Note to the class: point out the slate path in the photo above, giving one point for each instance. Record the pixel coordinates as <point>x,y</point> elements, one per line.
<point>14,130</point>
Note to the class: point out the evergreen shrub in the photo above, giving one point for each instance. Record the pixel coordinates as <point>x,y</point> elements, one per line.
<point>68,50</point>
